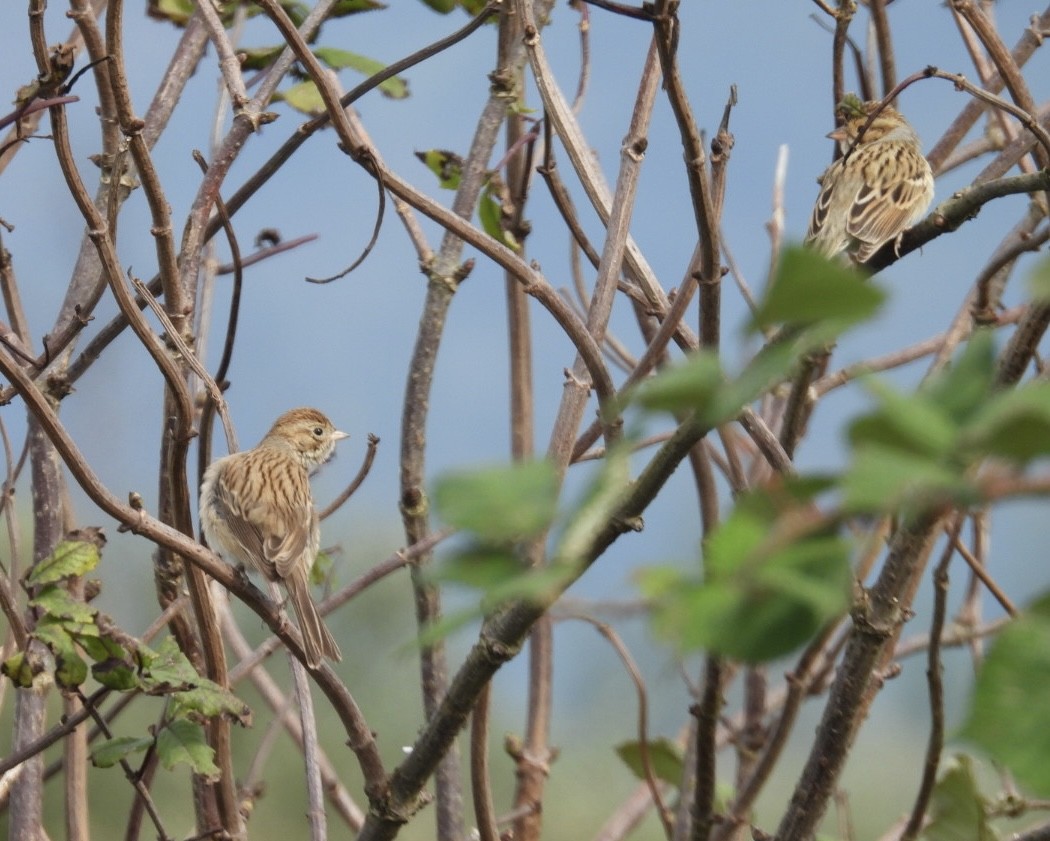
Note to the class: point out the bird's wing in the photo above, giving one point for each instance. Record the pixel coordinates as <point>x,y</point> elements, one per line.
<point>273,529</point>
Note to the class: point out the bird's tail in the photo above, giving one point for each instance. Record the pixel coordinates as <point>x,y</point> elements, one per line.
<point>318,641</point>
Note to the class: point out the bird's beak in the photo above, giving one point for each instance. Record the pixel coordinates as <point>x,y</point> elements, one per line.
<point>339,436</point>
<point>838,134</point>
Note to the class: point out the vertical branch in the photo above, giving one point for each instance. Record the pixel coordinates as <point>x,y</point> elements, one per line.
<point>705,205</point>
<point>933,675</point>
<point>884,40</point>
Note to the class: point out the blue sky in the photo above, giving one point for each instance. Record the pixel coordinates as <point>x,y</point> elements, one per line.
<point>345,347</point>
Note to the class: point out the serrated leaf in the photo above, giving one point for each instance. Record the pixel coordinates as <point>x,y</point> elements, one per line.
<point>209,700</point>
<point>304,97</point>
<point>182,742</point>
<point>110,752</point>
<point>114,673</point>
<point>71,558</point>
<point>958,811</point>
<point>499,504</point>
<point>57,602</point>
<point>70,669</point>
<point>395,87</point>
<point>881,480</point>
<point>1003,719</point>
<point>166,669</point>
<point>665,759</point>
<point>809,288</point>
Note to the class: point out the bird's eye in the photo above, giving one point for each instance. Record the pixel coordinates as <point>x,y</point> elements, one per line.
<point>318,431</point>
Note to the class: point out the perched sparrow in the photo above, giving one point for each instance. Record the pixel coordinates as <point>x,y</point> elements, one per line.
<point>256,509</point>
<point>880,186</point>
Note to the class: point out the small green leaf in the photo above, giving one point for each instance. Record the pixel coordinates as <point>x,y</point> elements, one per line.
<point>770,366</point>
<point>882,479</point>
<point>500,504</point>
<point>303,97</point>
<point>958,811</point>
<point>71,558</point>
<point>395,87</point>
<point>909,423</point>
<point>964,386</point>
<point>57,602</point>
<point>442,6</point>
<point>114,673</point>
<point>492,218</point>
<point>809,288</point>
<point>209,700</point>
<point>259,58</point>
<point>446,165</point>
<point>16,668</point>
<point>482,567</point>
<point>768,585</point>
<point>110,752</point>
<point>664,757</point>
<point>1003,720</point>
<point>1013,424</point>
<point>689,385</point>
<point>182,743</point>
<point>175,11</point>
<point>70,668</point>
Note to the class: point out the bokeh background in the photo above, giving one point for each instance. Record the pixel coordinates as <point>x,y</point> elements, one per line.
<point>345,347</point>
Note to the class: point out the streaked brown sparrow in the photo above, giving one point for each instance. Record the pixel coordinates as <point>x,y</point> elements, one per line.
<point>257,510</point>
<point>879,187</point>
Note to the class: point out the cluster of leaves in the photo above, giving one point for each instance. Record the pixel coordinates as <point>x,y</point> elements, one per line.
<point>303,95</point>
<point>777,568</point>
<point>69,627</point>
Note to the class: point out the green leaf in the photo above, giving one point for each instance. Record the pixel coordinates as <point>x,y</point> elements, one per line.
<point>882,480</point>
<point>17,669</point>
<point>1013,424</point>
<point>770,366</point>
<point>70,668</point>
<point>909,423</point>
<point>182,743</point>
<point>500,504</point>
<point>57,602</point>
<point>442,6</point>
<point>809,288</point>
<point>483,567</point>
<point>395,87</point>
<point>958,811</point>
<point>689,385</point>
<point>1039,281</point>
<point>664,757</point>
<point>259,58</point>
<point>964,386</point>
<point>769,584</point>
<point>71,558</point>
<point>115,673</point>
<point>110,752</point>
<point>492,217</point>
<point>446,165</point>
<point>1005,718</point>
<point>303,97</point>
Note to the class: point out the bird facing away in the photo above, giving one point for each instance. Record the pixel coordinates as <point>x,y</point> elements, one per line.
<point>257,510</point>
<point>879,187</point>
